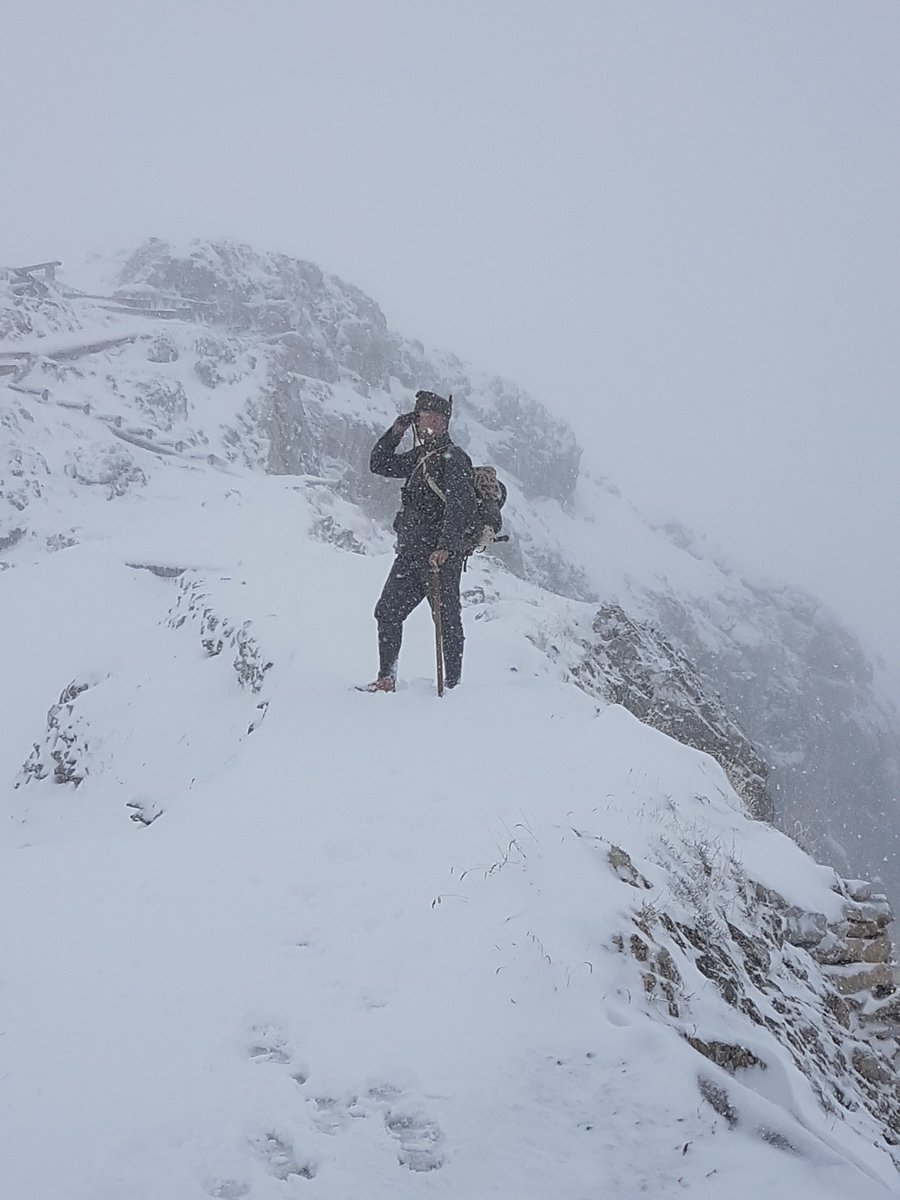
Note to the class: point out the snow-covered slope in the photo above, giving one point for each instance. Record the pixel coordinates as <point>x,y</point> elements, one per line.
<point>374,937</point>
<point>214,352</point>
<point>273,937</point>
<point>268,936</point>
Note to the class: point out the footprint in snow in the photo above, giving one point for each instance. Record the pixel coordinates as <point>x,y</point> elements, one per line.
<point>280,1160</point>
<point>330,1115</point>
<point>420,1140</point>
<point>270,1044</point>
<point>227,1189</point>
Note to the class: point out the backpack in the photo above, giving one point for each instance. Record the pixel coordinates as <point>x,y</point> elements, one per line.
<point>490,496</point>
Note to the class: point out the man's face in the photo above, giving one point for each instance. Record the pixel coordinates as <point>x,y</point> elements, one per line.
<point>430,425</point>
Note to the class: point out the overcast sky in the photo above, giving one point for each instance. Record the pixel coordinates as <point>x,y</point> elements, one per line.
<point>675,223</point>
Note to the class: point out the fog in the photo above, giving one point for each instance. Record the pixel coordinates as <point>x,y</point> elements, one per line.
<point>675,224</point>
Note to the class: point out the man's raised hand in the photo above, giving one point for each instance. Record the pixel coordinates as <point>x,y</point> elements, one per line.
<point>403,422</point>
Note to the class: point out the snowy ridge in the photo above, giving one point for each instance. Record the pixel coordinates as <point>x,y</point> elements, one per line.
<point>284,935</point>
<point>274,937</point>
<point>213,352</point>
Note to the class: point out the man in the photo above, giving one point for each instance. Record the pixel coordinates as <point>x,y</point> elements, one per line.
<point>438,501</point>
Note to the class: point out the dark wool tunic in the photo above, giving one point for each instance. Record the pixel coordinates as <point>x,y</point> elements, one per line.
<point>425,518</point>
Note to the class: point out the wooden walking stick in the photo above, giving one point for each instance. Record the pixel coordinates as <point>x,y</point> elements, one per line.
<point>434,597</point>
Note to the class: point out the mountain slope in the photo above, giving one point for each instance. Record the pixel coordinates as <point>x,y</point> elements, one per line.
<point>283,938</point>
<point>273,936</point>
<point>214,352</point>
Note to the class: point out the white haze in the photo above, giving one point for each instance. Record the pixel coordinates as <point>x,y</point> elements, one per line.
<point>675,224</point>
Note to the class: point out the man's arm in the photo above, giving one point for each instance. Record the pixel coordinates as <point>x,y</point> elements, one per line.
<point>459,487</point>
<point>384,460</point>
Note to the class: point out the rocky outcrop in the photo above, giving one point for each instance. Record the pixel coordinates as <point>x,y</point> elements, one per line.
<point>802,688</point>
<point>628,662</point>
<point>113,469</point>
<point>24,471</point>
<point>162,349</point>
<point>323,332</point>
<point>856,954</point>
<point>31,305</point>
<point>220,633</point>
<point>62,752</point>
<point>771,964</point>
<point>528,442</point>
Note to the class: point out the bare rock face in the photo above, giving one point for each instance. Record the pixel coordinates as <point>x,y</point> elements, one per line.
<point>856,952</point>
<point>628,662</point>
<point>856,956</point>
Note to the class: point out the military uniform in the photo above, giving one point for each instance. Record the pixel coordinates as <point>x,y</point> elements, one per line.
<point>438,508</point>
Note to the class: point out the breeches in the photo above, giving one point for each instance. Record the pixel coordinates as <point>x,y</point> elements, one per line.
<point>405,588</point>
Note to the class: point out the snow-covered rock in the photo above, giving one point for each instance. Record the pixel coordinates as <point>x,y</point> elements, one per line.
<point>629,662</point>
